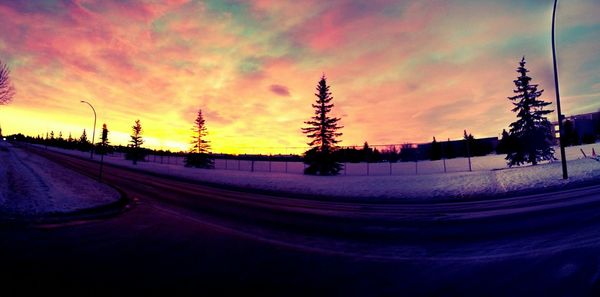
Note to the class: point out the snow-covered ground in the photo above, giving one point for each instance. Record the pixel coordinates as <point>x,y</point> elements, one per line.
<point>31,185</point>
<point>490,177</point>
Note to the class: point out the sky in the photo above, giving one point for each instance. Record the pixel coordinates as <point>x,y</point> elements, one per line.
<point>399,71</point>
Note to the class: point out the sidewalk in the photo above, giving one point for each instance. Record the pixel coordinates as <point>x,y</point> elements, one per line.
<point>33,187</point>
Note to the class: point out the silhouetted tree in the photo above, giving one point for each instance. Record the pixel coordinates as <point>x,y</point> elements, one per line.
<point>136,152</point>
<point>322,130</point>
<point>469,142</point>
<point>391,154</point>
<point>83,144</point>
<point>449,150</point>
<point>408,152</point>
<point>199,155</point>
<point>436,150</point>
<point>570,134</point>
<point>367,152</point>
<point>103,147</point>
<point>7,90</point>
<point>504,143</point>
<point>532,130</point>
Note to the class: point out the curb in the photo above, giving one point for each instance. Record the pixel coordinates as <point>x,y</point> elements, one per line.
<point>105,211</point>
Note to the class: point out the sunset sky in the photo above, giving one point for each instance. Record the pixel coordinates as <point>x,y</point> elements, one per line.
<point>400,71</point>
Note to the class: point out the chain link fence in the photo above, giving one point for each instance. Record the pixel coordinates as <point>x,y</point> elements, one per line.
<point>365,160</point>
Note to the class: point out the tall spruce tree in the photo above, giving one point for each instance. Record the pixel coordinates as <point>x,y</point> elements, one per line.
<point>531,132</point>
<point>322,130</point>
<point>83,143</point>
<point>199,155</point>
<point>136,141</point>
<point>436,150</point>
<point>504,143</point>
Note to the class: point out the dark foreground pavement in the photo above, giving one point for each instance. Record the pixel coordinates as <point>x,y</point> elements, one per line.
<point>181,238</point>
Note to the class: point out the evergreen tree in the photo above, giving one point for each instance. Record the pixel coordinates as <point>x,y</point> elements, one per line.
<point>102,145</point>
<point>504,143</point>
<point>436,150</point>
<point>322,130</point>
<point>83,142</point>
<point>449,150</point>
<point>367,153</point>
<point>83,137</point>
<point>532,131</point>
<point>470,149</point>
<point>199,155</point>
<point>136,141</point>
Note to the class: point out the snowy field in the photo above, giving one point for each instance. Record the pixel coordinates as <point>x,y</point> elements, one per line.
<point>34,186</point>
<point>490,177</point>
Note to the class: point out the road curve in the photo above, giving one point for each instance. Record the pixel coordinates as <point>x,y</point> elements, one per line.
<point>419,248</point>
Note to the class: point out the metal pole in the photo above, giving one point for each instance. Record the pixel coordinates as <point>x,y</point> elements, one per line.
<point>101,165</point>
<point>443,156</point>
<point>560,117</point>
<point>94,130</point>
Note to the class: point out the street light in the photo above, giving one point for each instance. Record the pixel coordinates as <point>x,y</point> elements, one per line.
<point>94,130</point>
<point>560,116</point>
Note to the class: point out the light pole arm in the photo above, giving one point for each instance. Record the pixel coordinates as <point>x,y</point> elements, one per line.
<point>94,130</point>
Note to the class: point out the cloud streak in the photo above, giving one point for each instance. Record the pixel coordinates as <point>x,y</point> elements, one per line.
<point>399,70</point>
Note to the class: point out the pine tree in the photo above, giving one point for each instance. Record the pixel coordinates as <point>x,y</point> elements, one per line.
<point>436,150</point>
<point>136,141</point>
<point>532,131</point>
<point>322,130</point>
<point>83,137</point>
<point>103,144</point>
<point>367,153</point>
<point>470,147</point>
<point>83,142</point>
<point>504,143</point>
<point>199,155</point>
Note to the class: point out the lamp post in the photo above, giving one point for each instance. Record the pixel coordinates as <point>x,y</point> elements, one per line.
<point>560,116</point>
<point>94,130</point>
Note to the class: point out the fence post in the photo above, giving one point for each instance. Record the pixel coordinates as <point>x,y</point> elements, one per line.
<point>417,161</point>
<point>443,156</point>
<point>252,166</point>
<point>239,166</point>
<point>269,162</point>
<point>368,167</point>
<point>468,154</point>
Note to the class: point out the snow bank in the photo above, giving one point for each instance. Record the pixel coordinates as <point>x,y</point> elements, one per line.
<point>492,177</point>
<point>34,186</point>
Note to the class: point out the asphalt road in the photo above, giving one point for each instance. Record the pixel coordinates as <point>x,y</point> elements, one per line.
<point>183,237</point>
